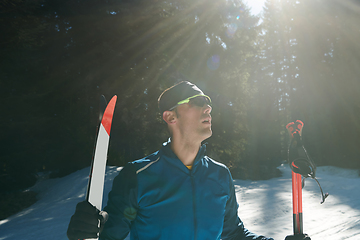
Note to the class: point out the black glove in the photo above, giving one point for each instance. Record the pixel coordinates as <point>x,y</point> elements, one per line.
<point>85,222</point>
<point>298,237</point>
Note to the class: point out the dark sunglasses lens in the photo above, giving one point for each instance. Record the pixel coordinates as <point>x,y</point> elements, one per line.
<point>200,101</point>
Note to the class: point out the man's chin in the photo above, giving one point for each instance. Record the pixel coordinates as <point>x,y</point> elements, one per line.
<point>207,134</point>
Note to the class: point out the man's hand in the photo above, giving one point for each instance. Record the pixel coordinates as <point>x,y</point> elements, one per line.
<point>85,222</point>
<point>298,237</point>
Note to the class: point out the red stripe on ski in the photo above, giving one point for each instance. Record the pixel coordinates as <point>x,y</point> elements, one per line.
<point>108,114</point>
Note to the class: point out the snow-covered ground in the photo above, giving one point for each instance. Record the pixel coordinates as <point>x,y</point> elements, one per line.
<point>265,206</point>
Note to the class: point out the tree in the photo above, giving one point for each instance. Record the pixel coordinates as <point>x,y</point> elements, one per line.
<point>75,51</point>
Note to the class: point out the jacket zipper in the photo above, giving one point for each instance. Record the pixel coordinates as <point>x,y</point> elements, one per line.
<point>194,204</point>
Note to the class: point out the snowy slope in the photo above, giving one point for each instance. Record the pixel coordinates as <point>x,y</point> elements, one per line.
<point>265,206</point>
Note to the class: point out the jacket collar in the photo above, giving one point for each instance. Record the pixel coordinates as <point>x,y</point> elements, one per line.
<point>171,156</point>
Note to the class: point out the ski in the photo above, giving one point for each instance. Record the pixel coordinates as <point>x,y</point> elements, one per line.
<point>94,194</point>
<point>102,107</point>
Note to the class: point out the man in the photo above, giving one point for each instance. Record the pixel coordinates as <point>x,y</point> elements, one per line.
<point>175,193</point>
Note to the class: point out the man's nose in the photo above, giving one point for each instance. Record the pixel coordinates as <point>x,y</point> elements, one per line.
<point>207,109</point>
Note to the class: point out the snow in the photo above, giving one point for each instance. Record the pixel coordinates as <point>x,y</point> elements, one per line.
<point>264,206</point>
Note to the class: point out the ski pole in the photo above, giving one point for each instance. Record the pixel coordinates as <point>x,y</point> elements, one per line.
<point>297,203</point>
<point>295,130</point>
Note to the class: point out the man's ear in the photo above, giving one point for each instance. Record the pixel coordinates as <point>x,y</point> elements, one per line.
<point>169,117</point>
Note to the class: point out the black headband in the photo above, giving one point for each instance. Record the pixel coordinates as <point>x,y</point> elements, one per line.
<point>171,96</point>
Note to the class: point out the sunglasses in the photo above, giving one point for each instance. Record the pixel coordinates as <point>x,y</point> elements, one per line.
<point>196,100</point>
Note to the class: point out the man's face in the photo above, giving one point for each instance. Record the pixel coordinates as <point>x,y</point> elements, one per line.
<point>194,122</point>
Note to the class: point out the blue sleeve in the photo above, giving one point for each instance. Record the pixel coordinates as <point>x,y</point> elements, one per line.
<point>233,227</point>
<point>122,205</point>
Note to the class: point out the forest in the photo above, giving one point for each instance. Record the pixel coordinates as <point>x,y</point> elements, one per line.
<point>299,59</point>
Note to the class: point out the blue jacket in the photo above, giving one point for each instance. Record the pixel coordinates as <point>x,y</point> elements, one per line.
<point>159,198</point>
